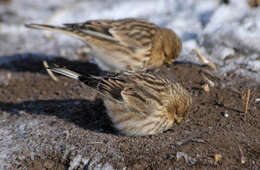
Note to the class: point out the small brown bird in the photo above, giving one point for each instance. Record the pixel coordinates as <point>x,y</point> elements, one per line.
<point>126,44</point>
<point>138,103</point>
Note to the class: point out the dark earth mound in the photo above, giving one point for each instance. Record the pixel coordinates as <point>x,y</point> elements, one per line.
<point>66,125</point>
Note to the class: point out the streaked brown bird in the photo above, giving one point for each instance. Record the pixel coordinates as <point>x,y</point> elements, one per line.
<point>126,44</point>
<point>138,103</point>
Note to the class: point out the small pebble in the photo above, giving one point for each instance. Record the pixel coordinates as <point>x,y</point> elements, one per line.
<point>217,157</point>
<point>225,114</point>
<point>205,87</point>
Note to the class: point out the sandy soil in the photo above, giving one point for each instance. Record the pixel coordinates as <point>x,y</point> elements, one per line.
<point>63,125</point>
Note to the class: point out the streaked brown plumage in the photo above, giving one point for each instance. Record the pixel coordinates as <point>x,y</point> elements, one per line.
<point>126,44</point>
<point>138,103</point>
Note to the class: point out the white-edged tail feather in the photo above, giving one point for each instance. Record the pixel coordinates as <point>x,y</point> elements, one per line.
<point>66,72</point>
<point>78,33</point>
<point>65,30</point>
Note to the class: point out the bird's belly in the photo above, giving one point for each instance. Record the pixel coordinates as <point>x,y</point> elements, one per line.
<point>136,124</point>
<point>116,62</point>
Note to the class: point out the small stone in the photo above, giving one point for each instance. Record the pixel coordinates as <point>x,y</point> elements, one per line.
<point>49,164</point>
<point>205,87</point>
<point>225,114</point>
<point>217,157</point>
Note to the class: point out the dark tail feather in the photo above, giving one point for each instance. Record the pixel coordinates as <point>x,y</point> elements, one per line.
<point>89,80</point>
<point>95,82</point>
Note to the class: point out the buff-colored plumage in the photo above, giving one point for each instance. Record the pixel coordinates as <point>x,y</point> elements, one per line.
<point>126,44</point>
<point>138,103</point>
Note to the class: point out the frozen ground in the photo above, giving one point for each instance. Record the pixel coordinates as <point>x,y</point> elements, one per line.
<point>228,35</point>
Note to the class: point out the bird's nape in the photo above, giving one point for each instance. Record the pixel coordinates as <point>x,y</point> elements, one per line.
<point>172,45</point>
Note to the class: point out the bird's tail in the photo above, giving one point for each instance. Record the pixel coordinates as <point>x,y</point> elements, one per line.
<point>95,82</point>
<point>89,80</point>
<point>75,30</point>
<point>67,30</point>
<point>65,72</point>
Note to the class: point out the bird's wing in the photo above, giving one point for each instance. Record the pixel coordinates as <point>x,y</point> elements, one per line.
<point>131,33</point>
<point>95,28</point>
<point>144,93</point>
<point>108,85</point>
<point>135,34</point>
<point>134,100</point>
<point>112,87</point>
<point>129,88</point>
<point>122,89</point>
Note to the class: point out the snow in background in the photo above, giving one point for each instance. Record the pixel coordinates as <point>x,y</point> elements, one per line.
<point>217,29</point>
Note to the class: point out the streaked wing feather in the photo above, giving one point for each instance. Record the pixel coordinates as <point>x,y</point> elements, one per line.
<point>133,100</point>
<point>134,36</point>
<point>92,29</point>
<point>131,33</point>
<point>112,88</point>
<point>110,85</point>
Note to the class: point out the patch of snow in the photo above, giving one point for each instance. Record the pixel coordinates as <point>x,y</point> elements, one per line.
<point>215,28</point>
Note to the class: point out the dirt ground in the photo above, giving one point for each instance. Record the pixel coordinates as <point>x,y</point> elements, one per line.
<point>71,123</point>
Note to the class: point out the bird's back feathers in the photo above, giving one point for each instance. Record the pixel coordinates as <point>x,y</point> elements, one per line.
<point>74,30</point>
<point>125,44</point>
<point>126,87</point>
<point>108,85</point>
<point>127,32</point>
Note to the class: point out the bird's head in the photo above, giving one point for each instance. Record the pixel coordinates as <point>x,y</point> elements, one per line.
<point>171,45</point>
<point>180,103</point>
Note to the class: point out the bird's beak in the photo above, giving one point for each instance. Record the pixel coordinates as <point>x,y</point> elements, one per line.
<point>178,119</point>
<point>168,62</point>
